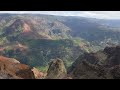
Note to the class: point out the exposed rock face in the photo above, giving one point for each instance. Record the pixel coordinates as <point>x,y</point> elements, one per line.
<point>56,70</point>
<point>37,73</point>
<point>100,65</point>
<point>113,54</point>
<point>12,69</point>
<point>86,70</point>
<point>115,71</point>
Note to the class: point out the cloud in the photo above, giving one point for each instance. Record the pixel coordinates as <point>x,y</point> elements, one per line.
<point>106,14</point>
<point>92,14</point>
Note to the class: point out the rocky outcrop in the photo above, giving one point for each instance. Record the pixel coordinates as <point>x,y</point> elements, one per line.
<point>12,69</point>
<point>56,70</point>
<point>113,56</point>
<point>100,65</point>
<point>86,70</point>
<point>38,74</point>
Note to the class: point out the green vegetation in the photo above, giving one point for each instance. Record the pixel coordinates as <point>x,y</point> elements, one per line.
<point>50,38</point>
<point>42,68</point>
<point>42,50</point>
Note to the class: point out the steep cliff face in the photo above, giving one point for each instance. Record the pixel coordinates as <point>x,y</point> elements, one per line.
<point>85,70</point>
<point>113,56</point>
<point>100,65</point>
<point>12,69</point>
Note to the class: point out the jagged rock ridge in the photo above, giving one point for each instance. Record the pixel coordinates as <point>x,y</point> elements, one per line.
<point>100,65</point>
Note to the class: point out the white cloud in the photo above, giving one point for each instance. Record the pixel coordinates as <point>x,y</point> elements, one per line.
<point>93,14</point>
<point>106,14</point>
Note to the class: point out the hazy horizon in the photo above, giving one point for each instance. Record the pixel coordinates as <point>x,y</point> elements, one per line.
<point>89,14</point>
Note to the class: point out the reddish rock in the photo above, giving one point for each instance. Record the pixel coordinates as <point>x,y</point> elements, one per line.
<point>15,69</point>
<point>26,28</point>
<point>37,73</point>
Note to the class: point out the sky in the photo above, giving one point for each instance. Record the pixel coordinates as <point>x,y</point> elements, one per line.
<point>89,14</point>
